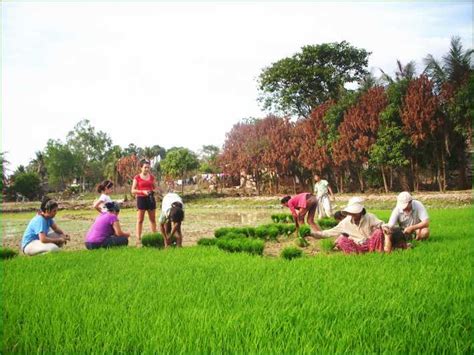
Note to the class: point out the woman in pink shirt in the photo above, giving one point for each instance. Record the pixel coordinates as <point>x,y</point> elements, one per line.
<point>300,205</point>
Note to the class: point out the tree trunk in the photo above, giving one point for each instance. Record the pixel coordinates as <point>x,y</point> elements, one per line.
<point>384,179</point>
<point>361,180</point>
<point>294,185</point>
<point>391,178</point>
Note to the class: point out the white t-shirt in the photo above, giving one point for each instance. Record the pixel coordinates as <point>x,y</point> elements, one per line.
<point>321,188</point>
<point>418,214</point>
<point>104,199</point>
<point>168,200</point>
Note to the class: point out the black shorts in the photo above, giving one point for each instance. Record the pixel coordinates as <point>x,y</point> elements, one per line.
<point>146,203</point>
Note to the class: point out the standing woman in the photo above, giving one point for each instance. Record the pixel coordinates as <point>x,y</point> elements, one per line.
<point>105,189</point>
<point>144,188</point>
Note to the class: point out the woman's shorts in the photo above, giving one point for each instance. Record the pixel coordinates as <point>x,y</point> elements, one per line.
<point>146,203</point>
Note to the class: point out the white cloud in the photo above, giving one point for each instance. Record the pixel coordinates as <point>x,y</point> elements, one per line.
<point>180,74</point>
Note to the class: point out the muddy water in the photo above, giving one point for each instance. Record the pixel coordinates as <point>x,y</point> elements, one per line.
<point>198,223</point>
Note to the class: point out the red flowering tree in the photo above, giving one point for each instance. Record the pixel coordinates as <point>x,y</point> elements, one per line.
<point>358,132</point>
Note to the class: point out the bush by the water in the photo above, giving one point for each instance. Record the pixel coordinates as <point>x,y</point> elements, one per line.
<point>7,253</point>
<point>155,240</point>
<point>291,253</point>
<point>207,242</point>
<point>248,245</point>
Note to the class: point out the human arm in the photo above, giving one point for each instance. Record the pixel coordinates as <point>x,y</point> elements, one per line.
<point>59,231</point>
<point>331,194</point>
<point>118,230</point>
<point>421,225</point>
<point>62,239</point>
<point>333,232</point>
<point>98,205</point>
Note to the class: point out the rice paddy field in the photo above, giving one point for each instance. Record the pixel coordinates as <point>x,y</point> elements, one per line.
<point>204,300</point>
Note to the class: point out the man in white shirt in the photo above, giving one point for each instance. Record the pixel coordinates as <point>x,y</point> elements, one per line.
<point>410,216</point>
<point>172,215</point>
<point>323,193</point>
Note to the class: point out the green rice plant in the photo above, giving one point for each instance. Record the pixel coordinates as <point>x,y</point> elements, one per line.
<point>290,253</point>
<point>233,235</point>
<point>327,223</point>
<point>261,232</point>
<point>282,218</point>
<point>248,231</point>
<point>327,245</point>
<point>222,231</point>
<point>207,241</point>
<point>154,240</point>
<point>304,231</point>
<point>301,242</point>
<point>272,232</point>
<point>248,245</point>
<point>7,253</point>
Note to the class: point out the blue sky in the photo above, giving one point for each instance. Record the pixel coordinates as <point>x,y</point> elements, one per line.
<point>181,74</point>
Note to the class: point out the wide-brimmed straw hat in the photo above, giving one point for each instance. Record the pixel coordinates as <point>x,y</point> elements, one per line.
<point>353,208</point>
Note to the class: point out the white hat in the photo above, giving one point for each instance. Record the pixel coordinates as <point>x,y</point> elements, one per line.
<point>356,199</point>
<point>353,208</point>
<point>403,199</point>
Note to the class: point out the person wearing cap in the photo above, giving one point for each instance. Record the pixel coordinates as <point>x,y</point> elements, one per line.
<point>410,216</point>
<point>358,232</point>
<point>324,194</point>
<point>301,205</point>
<point>106,231</point>
<point>171,217</point>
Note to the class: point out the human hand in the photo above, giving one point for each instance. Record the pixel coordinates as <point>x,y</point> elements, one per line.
<point>408,230</point>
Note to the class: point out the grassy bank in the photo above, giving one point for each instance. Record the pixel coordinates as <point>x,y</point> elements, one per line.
<point>205,300</point>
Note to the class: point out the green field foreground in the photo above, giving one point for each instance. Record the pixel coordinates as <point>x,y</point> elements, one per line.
<point>201,299</point>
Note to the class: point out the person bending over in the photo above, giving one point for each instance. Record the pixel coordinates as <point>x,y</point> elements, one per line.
<point>301,205</point>
<point>106,231</point>
<point>171,218</point>
<point>37,238</point>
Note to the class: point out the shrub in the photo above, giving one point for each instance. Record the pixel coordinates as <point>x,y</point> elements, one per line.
<point>155,240</point>
<point>7,253</point>
<point>27,184</point>
<point>291,253</point>
<point>327,245</point>
<point>207,242</point>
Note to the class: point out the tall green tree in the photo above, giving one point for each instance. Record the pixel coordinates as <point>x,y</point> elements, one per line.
<point>91,147</point>
<point>297,84</point>
<point>27,184</point>
<point>208,160</point>
<point>61,162</point>
<point>179,162</point>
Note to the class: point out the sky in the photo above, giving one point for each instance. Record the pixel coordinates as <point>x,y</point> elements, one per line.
<point>183,73</point>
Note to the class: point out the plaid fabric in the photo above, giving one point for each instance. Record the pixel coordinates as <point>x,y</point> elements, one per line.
<point>373,243</point>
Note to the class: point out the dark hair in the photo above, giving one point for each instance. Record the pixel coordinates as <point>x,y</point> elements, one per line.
<point>112,207</point>
<point>339,215</point>
<point>143,162</point>
<point>176,212</point>
<point>285,199</point>
<point>47,204</point>
<point>106,184</point>
<point>363,211</point>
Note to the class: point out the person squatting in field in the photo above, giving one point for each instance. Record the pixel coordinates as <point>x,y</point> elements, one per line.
<point>106,231</point>
<point>105,189</point>
<point>171,217</point>
<point>324,195</point>
<point>37,239</point>
<point>359,231</point>
<point>301,205</point>
<point>144,188</point>
<point>408,217</point>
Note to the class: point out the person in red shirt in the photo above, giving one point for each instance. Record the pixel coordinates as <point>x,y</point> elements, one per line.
<point>300,205</point>
<point>144,188</point>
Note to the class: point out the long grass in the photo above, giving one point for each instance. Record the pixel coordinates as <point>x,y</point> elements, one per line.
<point>206,300</point>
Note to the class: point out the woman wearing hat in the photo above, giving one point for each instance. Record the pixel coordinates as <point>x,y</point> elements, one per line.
<point>409,216</point>
<point>358,232</point>
<point>106,231</point>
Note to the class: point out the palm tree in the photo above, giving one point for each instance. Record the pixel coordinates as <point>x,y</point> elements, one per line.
<point>407,71</point>
<point>4,164</point>
<point>454,68</point>
<point>451,76</point>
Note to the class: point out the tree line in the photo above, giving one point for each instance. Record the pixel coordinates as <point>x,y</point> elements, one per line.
<point>404,132</point>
